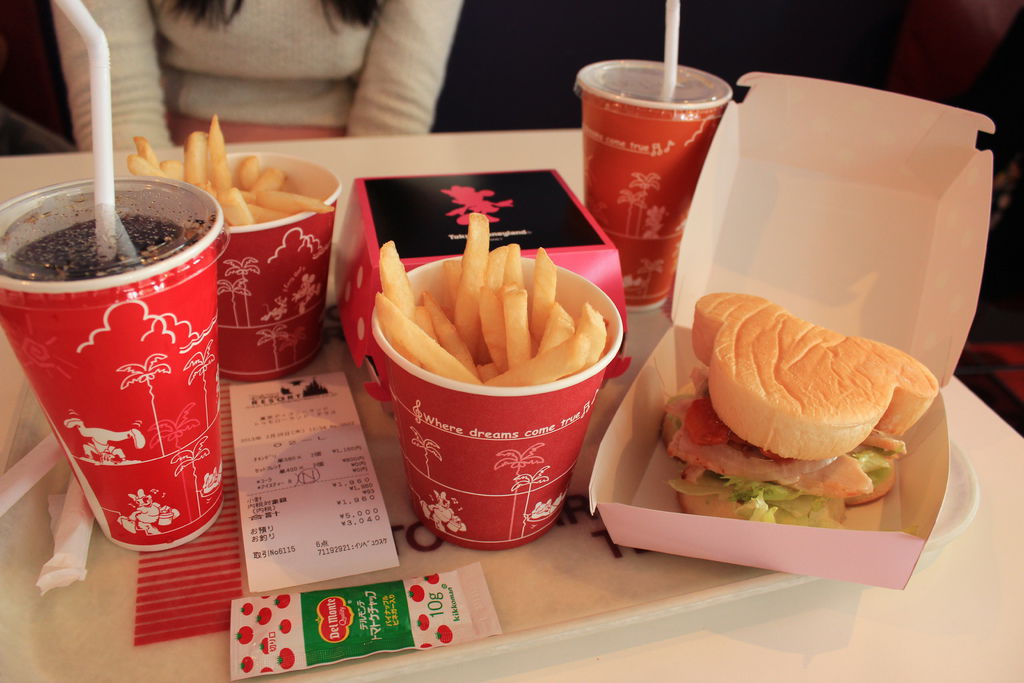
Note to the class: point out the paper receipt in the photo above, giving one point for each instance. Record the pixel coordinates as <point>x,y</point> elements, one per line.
<point>310,503</point>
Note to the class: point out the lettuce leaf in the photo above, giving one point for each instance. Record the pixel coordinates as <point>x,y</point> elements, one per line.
<point>761,501</point>
<point>757,510</point>
<point>876,463</point>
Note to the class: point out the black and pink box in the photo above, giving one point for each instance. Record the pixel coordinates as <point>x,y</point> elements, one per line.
<point>427,217</point>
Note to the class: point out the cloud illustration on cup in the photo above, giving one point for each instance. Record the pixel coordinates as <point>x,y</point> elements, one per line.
<point>121,318</point>
<point>297,240</point>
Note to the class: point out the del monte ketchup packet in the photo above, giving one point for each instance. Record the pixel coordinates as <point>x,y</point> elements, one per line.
<point>291,631</point>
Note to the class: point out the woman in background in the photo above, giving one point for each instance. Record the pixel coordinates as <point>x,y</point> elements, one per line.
<point>270,69</point>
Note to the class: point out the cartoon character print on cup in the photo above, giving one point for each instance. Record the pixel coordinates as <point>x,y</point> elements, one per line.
<point>640,190</point>
<point>148,453</point>
<point>271,289</point>
<point>497,479</point>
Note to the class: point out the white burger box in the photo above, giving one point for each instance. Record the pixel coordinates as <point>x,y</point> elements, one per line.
<point>860,210</point>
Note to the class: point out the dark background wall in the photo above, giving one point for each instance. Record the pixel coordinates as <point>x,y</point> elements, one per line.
<point>514,62</point>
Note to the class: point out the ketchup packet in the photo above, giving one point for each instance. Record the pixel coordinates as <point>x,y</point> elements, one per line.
<point>292,631</point>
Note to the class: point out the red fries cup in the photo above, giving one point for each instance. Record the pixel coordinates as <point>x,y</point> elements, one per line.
<point>272,279</point>
<point>124,363</point>
<point>488,467</point>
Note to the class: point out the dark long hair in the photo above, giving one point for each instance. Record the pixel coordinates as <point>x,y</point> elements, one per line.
<point>219,12</point>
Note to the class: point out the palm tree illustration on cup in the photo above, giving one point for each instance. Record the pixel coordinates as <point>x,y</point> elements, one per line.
<point>519,460</point>
<point>197,366</point>
<point>429,446</point>
<point>277,336</point>
<point>528,481</point>
<point>241,269</point>
<point>174,430</point>
<point>291,341</point>
<point>145,373</point>
<point>187,458</point>
<point>635,195</point>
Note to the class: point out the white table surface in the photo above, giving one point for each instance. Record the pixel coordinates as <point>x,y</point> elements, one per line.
<point>959,618</point>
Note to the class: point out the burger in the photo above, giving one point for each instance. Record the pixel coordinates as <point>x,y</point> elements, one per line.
<point>787,421</point>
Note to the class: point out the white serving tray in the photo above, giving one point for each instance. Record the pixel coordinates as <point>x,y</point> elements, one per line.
<point>567,585</point>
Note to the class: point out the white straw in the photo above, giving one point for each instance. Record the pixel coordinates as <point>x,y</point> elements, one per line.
<point>668,82</point>
<point>109,230</point>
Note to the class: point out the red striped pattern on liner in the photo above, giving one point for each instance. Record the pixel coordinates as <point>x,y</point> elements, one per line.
<point>208,570</point>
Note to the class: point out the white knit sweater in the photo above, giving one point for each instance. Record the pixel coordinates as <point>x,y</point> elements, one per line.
<point>277,62</point>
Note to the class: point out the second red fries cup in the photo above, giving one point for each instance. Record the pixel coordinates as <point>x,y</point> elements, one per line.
<point>488,467</point>
<point>272,280</point>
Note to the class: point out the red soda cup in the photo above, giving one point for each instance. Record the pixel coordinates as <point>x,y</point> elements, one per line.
<point>642,156</point>
<point>122,353</point>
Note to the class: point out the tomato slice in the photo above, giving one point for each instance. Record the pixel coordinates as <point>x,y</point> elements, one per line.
<point>703,425</point>
<point>773,456</point>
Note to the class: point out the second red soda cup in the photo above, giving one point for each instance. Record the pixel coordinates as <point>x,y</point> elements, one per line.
<point>642,156</point>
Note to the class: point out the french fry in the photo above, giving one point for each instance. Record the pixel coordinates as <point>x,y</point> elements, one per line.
<point>422,317</point>
<point>567,358</point>
<point>262,214</point>
<point>447,336</point>
<point>513,266</point>
<point>517,327</point>
<point>452,273</point>
<point>505,353</point>
<point>474,267</point>
<point>173,168</point>
<point>487,371</point>
<point>544,284</point>
<point>269,179</point>
<point>560,326</point>
<point>248,172</point>
<point>421,347</point>
<point>139,165</point>
<point>196,159</point>
<point>492,327</point>
<point>591,324</point>
<point>236,211</point>
<point>145,150</point>
<point>495,277</point>
<point>394,281</point>
<point>220,174</point>
<point>290,202</point>
<point>205,165</point>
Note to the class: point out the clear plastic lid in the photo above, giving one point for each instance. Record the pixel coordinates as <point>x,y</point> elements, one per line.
<point>49,235</point>
<point>639,83</point>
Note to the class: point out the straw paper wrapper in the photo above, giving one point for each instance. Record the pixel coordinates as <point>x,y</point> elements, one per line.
<point>72,531</point>
<point>25,473</point>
